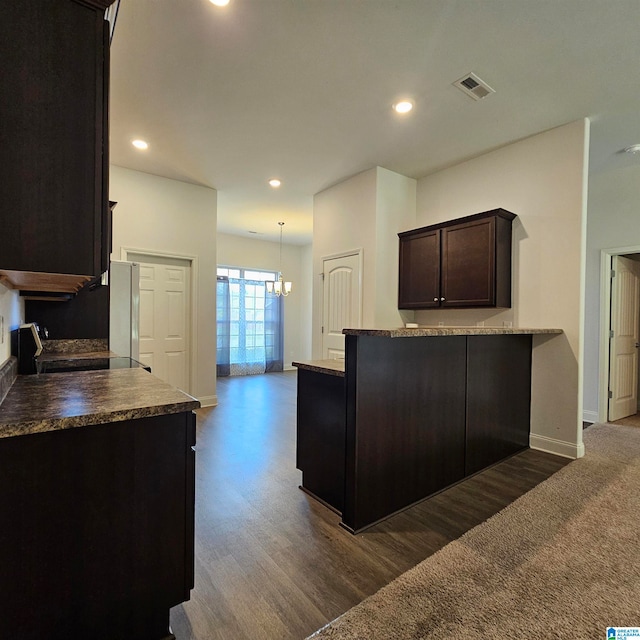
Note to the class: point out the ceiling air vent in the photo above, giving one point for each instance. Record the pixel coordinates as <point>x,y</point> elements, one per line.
<point>473,86</point>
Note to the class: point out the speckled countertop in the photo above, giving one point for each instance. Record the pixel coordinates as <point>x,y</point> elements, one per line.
<point>420,332</point>
<point>50,402</point>
<point>332,367</point>
<point>337,367</point>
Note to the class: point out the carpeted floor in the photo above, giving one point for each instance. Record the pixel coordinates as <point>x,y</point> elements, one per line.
<point>563,561</point>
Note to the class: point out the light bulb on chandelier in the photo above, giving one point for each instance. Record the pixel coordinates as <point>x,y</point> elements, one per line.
<point>279,287</point>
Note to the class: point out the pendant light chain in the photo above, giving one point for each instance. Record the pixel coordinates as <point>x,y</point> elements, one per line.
<point>279,287</point>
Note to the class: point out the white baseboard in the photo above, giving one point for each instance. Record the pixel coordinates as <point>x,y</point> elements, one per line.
<point>557,447</point>
<point>208,401</point>
<point>590,416</point>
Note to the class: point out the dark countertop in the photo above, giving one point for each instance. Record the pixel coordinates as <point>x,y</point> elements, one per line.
<point>337,367</point>
<point>50,402</point>
<point>84,355</point>
<point>421,332</point>
<point>331,367</point>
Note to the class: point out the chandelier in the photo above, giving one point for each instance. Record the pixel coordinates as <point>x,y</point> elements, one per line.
<point>279,287</point>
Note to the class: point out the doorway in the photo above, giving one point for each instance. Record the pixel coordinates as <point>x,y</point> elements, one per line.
<point>166,315</point>
<point>620,334</point>
<point>341,300</point>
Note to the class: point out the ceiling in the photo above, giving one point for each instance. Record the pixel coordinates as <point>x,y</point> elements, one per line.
<point>302,90</point>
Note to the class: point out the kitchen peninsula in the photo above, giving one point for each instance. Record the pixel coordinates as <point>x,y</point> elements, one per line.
<point>410,412</point>
<point>97,494</point>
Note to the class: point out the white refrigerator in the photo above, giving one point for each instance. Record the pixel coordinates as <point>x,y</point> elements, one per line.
<point>124,308</point>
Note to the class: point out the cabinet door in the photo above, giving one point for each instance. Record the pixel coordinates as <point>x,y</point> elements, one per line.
<point>419,270</point>
<point>51,110</point>
<point>97,529</point>
<point>468,264</point>
<point>320,434</point>
<point>498,398</point>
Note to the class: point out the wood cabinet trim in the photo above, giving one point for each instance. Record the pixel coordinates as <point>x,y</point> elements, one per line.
<point>101,5</point>
<point>503,213</point>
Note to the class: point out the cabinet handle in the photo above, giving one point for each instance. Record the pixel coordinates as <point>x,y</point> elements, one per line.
<point>435,299</point>
<point>442,299</point>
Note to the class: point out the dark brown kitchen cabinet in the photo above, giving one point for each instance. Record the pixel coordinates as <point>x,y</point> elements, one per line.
<point>460,263</point>
<point>54,137</point>
<point>98,529</point>
<point>320,436</point>
<point>410,417</point>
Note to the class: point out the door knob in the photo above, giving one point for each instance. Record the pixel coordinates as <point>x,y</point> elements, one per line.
<point>637,345</point>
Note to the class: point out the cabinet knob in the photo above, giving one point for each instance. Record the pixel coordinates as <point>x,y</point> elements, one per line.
<point>435,299</point>
<point>442,299</point>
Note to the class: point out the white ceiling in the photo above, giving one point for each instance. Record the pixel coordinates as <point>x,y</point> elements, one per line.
<point>302,90</point>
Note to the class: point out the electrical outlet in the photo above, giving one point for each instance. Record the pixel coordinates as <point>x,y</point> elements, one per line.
<point>507,324</point>
<point>480,323</point>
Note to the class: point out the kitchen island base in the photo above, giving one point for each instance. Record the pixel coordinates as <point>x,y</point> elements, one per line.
<point>411,417</point>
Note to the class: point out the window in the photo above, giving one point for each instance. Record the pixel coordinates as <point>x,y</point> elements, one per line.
<point>249,323</point>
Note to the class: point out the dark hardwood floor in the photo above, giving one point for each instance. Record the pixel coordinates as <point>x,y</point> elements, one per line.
<point>272,563</point>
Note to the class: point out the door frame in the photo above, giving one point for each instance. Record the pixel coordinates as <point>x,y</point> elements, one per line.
<point>193,306</point>
<point>341,254</point>
<point>605,325</point>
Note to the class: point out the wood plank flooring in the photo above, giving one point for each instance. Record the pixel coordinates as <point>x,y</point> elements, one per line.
<point>629,421</point>
<point>272,563</point>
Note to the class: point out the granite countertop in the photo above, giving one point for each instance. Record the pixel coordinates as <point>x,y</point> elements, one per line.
<point>50,402</point>
<point>420,332</point>
<point>332,367</point>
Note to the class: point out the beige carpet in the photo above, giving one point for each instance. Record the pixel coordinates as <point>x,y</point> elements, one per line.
<point>562,561</point>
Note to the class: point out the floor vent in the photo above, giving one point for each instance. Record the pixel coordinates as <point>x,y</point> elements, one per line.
<point>473,86</point>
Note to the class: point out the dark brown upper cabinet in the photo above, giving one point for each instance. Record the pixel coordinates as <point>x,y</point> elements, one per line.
<point>460,263</point>
<point>54,217</point>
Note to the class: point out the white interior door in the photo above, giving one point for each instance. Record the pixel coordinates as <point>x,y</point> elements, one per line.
<point>342,302</point>
<point>165,317</point>
<point>625,326</point>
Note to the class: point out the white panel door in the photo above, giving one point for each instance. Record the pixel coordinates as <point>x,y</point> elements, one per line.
<point>625,325</point>
<point>342,302</point>
<point>164,318</point>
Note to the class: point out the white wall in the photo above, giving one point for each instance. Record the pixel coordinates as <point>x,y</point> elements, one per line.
<point>344,218</point>
<point>543,180</point>
<point>306,312</point>
<point>12,311</point>
<point>613,222</point>
<point>395,212</point>
<point>364,212</point>
<point>237,251</point>
<point>167,216</point>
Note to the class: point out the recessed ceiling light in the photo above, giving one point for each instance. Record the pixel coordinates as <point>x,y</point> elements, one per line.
<point>404,106</point>
<point>219,3</point>
<point>634,148</point>
<point>140,144</point>
<point>274,182</point>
